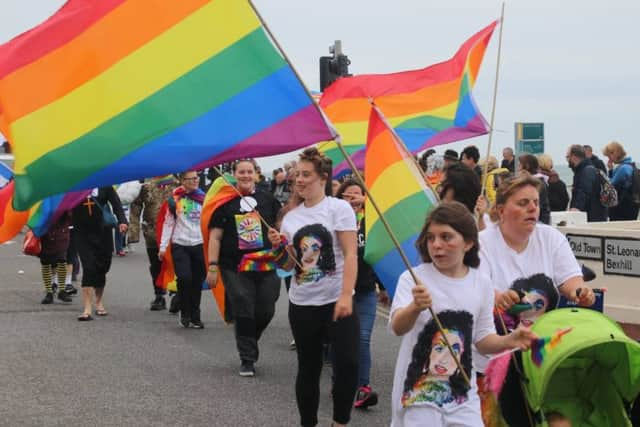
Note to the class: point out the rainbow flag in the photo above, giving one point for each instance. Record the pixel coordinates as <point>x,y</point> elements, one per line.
<point>397,186</point>
<point>541,346</point>
<point>425,107</point>
<point>219,193</point>
<point>39,217</point>
<point>46,212</point>
<point>110,91</point>
<point>11,221</point>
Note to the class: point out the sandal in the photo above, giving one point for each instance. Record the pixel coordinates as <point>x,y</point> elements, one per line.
<point>101,312</point>
<point>84,317</point>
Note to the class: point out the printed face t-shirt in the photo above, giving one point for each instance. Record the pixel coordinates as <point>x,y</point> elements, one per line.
<point>312,233</point>
<point>426,376</point>
<point>546,259</point>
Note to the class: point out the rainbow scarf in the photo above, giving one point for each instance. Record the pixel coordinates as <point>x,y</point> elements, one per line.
<point>541,346</point>
<point>425,107</point>
<point>112,91</point>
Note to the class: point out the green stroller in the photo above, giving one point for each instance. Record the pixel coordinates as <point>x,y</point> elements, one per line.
<point>588,375</point>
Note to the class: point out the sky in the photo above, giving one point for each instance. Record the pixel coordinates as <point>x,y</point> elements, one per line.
<point>571,64</point>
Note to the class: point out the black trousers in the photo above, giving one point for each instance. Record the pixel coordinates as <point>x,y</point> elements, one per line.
<point>253,297</point>
<point>154,269</point>
<point>312,326</point>
<point>190,271</point>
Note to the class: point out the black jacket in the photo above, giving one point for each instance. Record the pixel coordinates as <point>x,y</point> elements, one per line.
<point>585,194</point>
<point>87,214</point>
<point>597,163</point>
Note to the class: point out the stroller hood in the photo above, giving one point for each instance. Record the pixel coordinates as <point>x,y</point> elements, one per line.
<point>595,353</point>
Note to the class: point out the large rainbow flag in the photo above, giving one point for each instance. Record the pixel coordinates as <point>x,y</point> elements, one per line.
<point>39,217</point>
<point>426,107</point>
<point>113,90</point>
<point>397,186</point>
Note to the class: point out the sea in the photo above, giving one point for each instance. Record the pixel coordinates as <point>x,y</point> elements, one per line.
<point>565,173</point>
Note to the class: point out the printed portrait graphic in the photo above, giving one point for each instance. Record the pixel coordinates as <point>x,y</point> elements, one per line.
<point>433,376</point>
<point>314,251</point>
<point>537,296</point>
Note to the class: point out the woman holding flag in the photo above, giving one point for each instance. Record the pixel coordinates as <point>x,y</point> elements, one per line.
<point>323,232</point>
<point>238,228</point>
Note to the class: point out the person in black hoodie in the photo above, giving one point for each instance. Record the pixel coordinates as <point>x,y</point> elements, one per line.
<point>558,195</point>
<point>529,164</point>
<point>595,160</point>
<point>94,242</point>
<point>585,194</point>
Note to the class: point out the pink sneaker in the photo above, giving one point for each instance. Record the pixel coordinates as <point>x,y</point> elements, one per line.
<point>365,397</point>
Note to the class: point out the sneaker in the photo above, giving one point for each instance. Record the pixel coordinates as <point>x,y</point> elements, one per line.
<point>70,289</point>
<point>292,345</point>
<point>174,305</point>
<point>48,298</point>
<point>64,297</point>
<point>121,253</point>
<point>183,321</point>
<point>247,369</point>
<point>196,324</point>
<point>158,304</point>
<point>365,398</point>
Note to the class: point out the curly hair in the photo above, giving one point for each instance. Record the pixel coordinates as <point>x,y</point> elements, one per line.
<point>456,216</point>
<point>539,282</point>
<point>327,261</point>
<point>349,183</point>
<point>321,164</point>
<point>460,321</point>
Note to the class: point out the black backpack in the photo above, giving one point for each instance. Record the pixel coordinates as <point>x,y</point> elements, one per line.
<point>608,193</point>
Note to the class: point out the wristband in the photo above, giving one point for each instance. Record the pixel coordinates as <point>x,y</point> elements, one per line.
<point>213,270</point>
<point>213,262</point>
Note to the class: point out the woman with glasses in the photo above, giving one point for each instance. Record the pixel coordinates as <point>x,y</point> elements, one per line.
<point>237,228</point>
<point>181,229</point>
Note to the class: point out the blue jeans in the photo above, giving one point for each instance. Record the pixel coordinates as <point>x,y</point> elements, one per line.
<point>366,306</point>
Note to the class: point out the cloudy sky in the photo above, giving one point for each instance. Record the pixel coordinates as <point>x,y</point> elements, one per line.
<point>571,64</point>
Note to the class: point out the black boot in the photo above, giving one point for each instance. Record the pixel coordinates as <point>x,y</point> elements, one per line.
<point>48,298</point>
<point>64,296</point>
<point>174,305</point>
<point>158,304</point>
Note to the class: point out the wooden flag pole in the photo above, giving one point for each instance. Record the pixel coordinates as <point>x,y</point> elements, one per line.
<point>404,257</point>
<point>485,170</point>
<point>359,177</point>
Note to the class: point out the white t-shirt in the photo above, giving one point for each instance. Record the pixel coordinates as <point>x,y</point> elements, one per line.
<point>548,252</point>
<point>464,307</point>
<point>312,232</point>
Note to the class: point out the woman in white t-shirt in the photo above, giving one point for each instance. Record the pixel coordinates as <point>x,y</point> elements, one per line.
<point>519,247</point>
<point>428,387</point>
<point>322,231</point>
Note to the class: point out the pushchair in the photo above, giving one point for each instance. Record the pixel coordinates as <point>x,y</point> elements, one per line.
<point>589,377</point>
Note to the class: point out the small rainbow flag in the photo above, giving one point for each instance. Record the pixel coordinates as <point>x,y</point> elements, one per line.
<point>541,346</point>
<point>404,206</point>
<point>425,107</point>
<point>110,91</point>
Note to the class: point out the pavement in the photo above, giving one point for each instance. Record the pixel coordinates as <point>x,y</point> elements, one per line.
<point>136,367</point>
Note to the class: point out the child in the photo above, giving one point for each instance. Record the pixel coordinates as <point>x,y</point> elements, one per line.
<point>428,387</point>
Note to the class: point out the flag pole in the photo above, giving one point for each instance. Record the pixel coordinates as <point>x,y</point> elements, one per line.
<point>338,142</point>
<point>242,198</point>
<point>485,170</point>
<point>295,72</point>
<point>405,148</point>
<point>403,256</point>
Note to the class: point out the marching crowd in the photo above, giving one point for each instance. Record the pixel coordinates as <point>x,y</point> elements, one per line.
<point>486,245</point>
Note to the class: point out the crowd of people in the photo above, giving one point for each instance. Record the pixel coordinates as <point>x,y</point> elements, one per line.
<point>487,237</point>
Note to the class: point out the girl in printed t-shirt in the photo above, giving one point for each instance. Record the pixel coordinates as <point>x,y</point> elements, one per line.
<point>322,230</point>
<point>428,387</point>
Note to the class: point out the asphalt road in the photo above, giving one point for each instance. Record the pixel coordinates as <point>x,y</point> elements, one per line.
<point>139,368</point>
